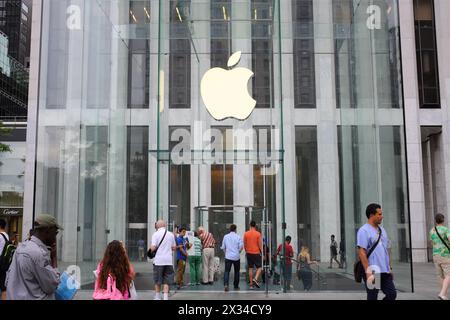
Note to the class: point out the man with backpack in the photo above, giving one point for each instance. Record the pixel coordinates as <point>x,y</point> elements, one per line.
<point>4,242</point>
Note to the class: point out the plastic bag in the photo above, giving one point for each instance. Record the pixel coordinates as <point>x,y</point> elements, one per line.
<point>67,288</point>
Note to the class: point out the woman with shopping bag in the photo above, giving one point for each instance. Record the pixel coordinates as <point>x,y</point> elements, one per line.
<point>115,275</point>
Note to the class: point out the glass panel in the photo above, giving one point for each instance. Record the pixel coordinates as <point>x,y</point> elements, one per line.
<point>307,189</point>
<point>371,143</point>
<point>126,136</point>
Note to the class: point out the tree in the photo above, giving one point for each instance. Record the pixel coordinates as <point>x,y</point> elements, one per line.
<point>4,131</point>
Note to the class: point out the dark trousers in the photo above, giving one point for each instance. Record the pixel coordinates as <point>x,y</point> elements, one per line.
<point>387,286</point>
<point>226,275</point>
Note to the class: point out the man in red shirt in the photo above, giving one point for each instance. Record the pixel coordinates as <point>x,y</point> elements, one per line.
<point>289,253</point>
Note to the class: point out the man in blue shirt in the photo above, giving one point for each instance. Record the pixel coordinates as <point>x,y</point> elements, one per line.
<point>232,245</point>
<point>378,265</point>
<point>182,247</point>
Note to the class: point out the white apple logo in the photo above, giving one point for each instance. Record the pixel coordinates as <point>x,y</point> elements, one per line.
<point>225,92</point>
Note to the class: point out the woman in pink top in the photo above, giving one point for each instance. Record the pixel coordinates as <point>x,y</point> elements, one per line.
<point>114,274</point>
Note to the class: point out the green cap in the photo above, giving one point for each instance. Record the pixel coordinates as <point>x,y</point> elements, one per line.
<point>46,221</point>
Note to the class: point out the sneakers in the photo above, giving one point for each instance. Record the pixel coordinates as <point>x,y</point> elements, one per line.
<point>252,287</point>
<point>226,289</point>
<point>256,283</point>
<point>237,288</point>
<point>442,298</point>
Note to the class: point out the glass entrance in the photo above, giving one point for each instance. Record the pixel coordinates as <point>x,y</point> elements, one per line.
<point>218,153</point>
<point>218,219</point>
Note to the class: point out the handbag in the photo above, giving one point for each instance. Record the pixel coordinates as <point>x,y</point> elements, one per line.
<point>67,288</point>
<point>445,243</point>
<point>358,269</point>
<point>152,254</point>
<point>132,293</point>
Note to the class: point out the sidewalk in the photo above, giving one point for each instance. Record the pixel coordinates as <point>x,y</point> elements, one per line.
<point>425,285</point>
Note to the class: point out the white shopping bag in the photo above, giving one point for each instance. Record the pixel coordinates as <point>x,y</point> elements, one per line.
<point>133,292</point>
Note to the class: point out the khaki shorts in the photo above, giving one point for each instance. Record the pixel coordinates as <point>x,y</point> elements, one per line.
<point>442,266</point>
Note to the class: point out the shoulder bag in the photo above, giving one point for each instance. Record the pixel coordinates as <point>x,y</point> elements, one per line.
<point>151,254</point>
<point>358,269</point>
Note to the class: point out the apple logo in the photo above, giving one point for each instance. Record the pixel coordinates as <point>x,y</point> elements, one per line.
<point>225,92</point>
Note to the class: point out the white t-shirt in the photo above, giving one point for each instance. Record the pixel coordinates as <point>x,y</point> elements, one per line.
<point>164,255</point>
<point>2,241</point>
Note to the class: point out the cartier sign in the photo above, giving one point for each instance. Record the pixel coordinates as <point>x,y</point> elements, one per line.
<point>11,211</point>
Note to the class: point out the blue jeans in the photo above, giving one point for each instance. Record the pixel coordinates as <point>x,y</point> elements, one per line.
<point>288,276</point>
<point>226,275</point>
<point>387,286</point>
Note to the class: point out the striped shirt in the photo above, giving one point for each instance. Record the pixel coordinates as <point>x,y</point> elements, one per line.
<point>207,240</point>
<point>197,247</point>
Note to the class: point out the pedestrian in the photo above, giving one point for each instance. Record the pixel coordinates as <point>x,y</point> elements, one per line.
<point>333,252</point>
<point>342,254</point>
<point>114,274</point>
<point>195,260</point>
<point>141,249</point>
<point>208,244</point>
<point>304,271</point>
<point>163,242</point>
<point>253,249</point>
<point>4,240</point>
<point>373,235</point>
<point>286,261</point>
<point>33,274</point>
<point>232,246</point>
<point>440,238</point>
<point>182,256</point>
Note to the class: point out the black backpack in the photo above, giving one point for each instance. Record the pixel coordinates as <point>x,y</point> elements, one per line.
<point>7,255</point>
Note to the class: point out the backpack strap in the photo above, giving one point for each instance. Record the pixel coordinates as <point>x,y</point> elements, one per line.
<point>435,228</point>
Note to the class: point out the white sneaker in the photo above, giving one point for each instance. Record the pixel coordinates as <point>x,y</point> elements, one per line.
<point>157,298</point>
<point>442,297</point>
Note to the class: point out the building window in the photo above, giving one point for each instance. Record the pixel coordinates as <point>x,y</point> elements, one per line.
<point>262,60</point>
<point>220,32</point>
<point>138,74</point>
<point>137,187</point>
<point>427,63</point>
<point>303,54</point>
<point>180,56</point>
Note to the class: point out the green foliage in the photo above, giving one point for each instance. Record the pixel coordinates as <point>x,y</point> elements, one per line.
<point>3,132</point>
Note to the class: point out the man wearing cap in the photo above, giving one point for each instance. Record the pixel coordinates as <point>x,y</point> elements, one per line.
<point>33,274</point>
